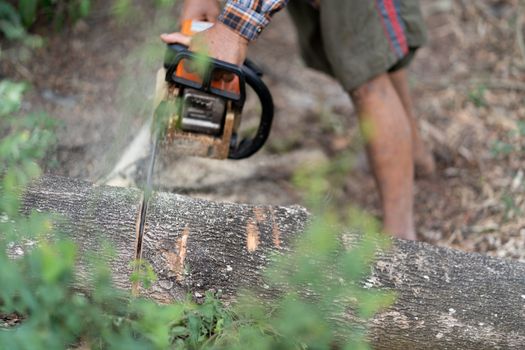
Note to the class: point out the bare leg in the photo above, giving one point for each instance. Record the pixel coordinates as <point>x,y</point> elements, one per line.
<point>423,159</point>
<point>389,147</point>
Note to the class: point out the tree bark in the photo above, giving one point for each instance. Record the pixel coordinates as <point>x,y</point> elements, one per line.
<point>446,299</point>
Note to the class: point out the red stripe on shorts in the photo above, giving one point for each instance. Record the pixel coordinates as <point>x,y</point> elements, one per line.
<point>378,8</point>
<point>398,29</point>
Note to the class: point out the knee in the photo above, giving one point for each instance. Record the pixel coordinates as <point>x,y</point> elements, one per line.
<point>375,88</point>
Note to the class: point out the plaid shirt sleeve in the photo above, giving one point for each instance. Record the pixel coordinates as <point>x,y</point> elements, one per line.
<point>250,17</point>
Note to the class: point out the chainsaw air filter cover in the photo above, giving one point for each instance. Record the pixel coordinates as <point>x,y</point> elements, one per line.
<point>202,112</point>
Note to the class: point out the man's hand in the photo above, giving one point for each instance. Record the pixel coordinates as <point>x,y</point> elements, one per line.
<point>200,10</point>
<point>219,41</point>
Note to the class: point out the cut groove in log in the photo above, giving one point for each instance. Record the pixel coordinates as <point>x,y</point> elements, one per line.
<point>447,299</point>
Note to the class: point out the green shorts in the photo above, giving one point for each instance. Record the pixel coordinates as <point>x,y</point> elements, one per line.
<point>357,40</point>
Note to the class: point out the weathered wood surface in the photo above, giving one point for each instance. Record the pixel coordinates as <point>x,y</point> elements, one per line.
<point>447,299</point>
<point>194,245</point>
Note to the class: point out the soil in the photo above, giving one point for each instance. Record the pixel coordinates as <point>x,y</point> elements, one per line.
<point>468,83</point>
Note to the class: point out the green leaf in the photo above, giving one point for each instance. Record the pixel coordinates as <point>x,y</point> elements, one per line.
<point>374,301</point>
<point>165,3</point>
<point>500,148</point>
<point>143,273</point>
<point>521,127</point>
<point>8,12</point>
<point>10,96</point>
<point>12,31</point>
<point>84,8</point>
<point>122,9</point>
<point>477,96</point>
<point>28,9</point>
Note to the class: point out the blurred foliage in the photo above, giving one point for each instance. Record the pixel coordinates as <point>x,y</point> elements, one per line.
<point>477,96</point>
<point>319,282</point>
<point>510,206</point>
<point>12,27</point>
<point>514,143</point>
<point>512,147</point>
<point>125,9</point>
<point>59,11</point>
<point>37,267</point>
<point>319,279</point>
<point>10,22</point>
<point>16,20</point>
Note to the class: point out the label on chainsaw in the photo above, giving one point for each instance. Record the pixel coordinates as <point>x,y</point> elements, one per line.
<point>190,27</point>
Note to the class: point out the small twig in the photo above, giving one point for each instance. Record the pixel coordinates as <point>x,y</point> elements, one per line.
<point>24,72</point>
<point>434,132</point>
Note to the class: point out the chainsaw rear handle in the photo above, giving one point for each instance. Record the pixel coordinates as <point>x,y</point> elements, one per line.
<point>248,147</point>
<point>249,73</point>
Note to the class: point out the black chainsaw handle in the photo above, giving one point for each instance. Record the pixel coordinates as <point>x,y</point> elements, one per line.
<point>250,74</point>
<point>248,147</point>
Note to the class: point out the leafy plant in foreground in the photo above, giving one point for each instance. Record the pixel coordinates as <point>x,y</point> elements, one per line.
<point>512,147</point>
<point>38,267</point>
<point>317,283</point>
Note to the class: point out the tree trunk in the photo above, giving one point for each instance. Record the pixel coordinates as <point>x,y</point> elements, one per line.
<point>446,299</point>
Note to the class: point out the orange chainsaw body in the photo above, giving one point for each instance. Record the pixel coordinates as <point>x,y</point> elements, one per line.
<point>190,28</point>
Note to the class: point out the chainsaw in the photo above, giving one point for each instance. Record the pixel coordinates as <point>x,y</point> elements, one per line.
<point>198,108</point>
<point>200,102</point>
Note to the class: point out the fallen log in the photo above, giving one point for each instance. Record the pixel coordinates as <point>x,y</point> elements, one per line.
<point>446,299</point>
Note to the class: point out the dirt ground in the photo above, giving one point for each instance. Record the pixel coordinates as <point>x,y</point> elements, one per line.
<point>468,84</point>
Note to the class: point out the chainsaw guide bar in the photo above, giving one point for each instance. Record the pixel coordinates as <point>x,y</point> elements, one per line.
<point>141,221</point>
